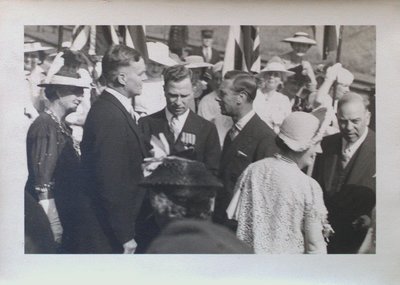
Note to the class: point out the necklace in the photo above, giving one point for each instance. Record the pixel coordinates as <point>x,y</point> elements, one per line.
<point>284,158</point>
<point>63,128</point>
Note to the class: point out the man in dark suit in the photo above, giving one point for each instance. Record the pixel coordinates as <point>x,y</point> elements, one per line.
<point>112,153</point>
<point>346,165</point>
<point>188,134</point>
<point>209,54</point>
<point>249,140</point>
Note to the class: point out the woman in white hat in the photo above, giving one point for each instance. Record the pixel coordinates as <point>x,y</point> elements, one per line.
<point>304,79</point>
<point>272,107</point>
<point>281,209</point>
<point>198,67</point>
<point>152,98</point>
<point>53,156</point>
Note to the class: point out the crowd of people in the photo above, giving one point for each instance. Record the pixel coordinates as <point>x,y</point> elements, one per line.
<point>166,154</point>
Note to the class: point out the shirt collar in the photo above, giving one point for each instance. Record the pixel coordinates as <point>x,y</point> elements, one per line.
<point>125,101</point>
<point>181,118</point>
<point>244,120</point>
<point>351,148</point>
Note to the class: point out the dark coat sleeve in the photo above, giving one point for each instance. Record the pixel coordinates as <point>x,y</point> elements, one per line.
<point>212,152</point>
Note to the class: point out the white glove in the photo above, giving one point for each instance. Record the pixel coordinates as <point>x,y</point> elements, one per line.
<point>332,72</point>
<point>49,207</point>
<point>130,246</point>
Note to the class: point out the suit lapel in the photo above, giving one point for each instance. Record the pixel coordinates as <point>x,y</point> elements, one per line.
<point>244,138</point>
<point>362,159</point>
<point>110,98</point>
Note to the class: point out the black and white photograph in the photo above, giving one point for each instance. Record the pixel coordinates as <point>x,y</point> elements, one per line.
<point>244,143</point>
<point>262,134</point>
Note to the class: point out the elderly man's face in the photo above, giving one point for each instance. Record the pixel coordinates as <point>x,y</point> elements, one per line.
<point>178,96</point>
<point>353,120</point>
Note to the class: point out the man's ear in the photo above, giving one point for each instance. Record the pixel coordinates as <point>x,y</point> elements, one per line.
<point>121,79</point>
<point>243,96</point>
<point>368,117</point>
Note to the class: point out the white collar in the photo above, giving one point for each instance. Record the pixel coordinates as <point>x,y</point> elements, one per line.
<point>351,148</point>
<point>244,120</point>
<point>125,101</point>
<point>181,118</point>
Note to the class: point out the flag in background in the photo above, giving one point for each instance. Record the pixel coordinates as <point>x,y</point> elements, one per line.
<point>134,37</point>
<point>327,38</point>
<point>95,40</point>
<point>243,49</point>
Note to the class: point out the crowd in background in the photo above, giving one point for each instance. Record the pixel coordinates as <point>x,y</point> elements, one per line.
<point>170,155</point>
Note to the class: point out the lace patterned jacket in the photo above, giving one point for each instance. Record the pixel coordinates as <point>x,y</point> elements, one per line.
<point>277,200</point>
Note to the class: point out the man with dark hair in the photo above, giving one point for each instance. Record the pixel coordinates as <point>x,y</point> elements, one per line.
<point>112,153</point>
<point>346,171</point>
<point>249,140</point>
<point>188,134</point>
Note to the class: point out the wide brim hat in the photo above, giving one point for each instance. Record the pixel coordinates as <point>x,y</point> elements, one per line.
<point>159,52</point>
<point>62,80</point>
<point>300,130</point>
<point>34,47</point>
<point>276,64</point>
<point>300,37</point>
<point>196,61</point>
<point>181,172</point>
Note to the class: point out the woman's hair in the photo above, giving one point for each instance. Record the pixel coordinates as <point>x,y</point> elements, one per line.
<point>51,93</point>
<point>281,145</point>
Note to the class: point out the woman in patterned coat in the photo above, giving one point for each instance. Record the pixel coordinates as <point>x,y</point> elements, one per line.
<point>281,209</point>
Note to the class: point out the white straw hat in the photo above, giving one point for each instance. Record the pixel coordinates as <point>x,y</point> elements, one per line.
<point>276,64</point>
<point>300,130</point>
<point>34,46</point>
<point>66,81</point>
<point>196,61</point>
<point>301,37</point>
<point>159,53</point>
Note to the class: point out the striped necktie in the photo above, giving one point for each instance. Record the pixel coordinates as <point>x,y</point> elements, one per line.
<point>174,126</point>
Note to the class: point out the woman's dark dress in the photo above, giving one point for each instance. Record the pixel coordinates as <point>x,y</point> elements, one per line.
<point>52,158</point>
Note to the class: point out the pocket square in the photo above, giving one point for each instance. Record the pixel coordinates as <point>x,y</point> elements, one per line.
<point>240,153</point>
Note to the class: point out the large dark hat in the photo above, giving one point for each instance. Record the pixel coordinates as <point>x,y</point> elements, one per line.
<point>207,34</point>
<point>176,171</point>
<point>194,236</point>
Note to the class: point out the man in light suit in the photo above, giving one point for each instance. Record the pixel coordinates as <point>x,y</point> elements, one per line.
<point>112,152</point>
<point>209,54</point>
<point>249,140</point>
<point>346,172</point>
<point>188,134</point>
